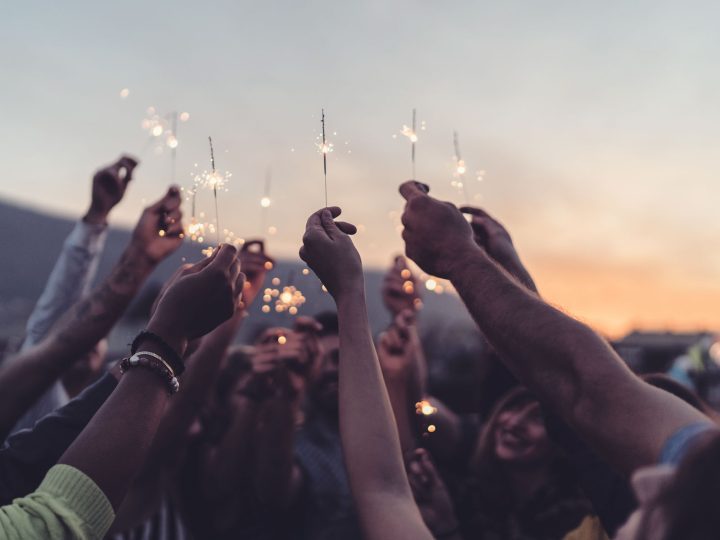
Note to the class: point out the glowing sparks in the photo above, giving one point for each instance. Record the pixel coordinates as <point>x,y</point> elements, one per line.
<point>425,408</point>
<point>213,180</point>
<point>431,428</point>
<point>282,340</point>
<point>184,116</point>
<point>411,133</point>
<point>265,202</point>
<point>324,147</point>
<point>124,93</point>
<point>288,299</point>
<point>430,284</point>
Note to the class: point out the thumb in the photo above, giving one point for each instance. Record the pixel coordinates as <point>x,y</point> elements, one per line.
<point>224,257</point>
<point>168,202</point>
<point>412,189</point>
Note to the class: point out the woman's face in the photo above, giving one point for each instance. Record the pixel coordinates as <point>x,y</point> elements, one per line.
<point>520,436</point>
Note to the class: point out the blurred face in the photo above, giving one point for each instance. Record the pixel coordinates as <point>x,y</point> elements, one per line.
<point>324,381</point>
<point>520,436</point>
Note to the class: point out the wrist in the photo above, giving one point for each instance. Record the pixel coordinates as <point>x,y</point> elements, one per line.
<point>95,217</point>
<point>175,340</point>
<point>465,260</point>
<point>142,262</point>
<point>354,292</point>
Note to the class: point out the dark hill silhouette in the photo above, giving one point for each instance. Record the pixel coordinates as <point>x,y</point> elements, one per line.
<point>31,241</point>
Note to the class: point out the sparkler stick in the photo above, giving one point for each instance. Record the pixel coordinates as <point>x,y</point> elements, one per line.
<point>217,214</point>
<point>413,140</point>
<point>265,203</point>
<point>460,168</point>
<point>173,145</point>
<point>324,153</point>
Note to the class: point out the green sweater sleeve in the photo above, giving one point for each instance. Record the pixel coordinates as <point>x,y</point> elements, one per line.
<point>67,505</point>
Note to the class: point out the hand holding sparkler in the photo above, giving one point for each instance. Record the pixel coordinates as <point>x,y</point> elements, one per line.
<point>396,348</point>
<point>436,234</point>
<point>496,241</point>
<point>400,289</point>
<point>108,188</point>
<point>329,252</point>
<point>159,232</point>
<point>254,263</point>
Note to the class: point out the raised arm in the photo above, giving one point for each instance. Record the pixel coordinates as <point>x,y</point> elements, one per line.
<point>369,437</point>
<point>24,380</point>
<point>564,362</point>
<point>75,269</point>
<point>113,446</point>
<point>78,495</point>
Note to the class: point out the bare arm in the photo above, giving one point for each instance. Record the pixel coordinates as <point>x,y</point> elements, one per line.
<point>23,381</point>
<point>563,361</point>
<point>370,441</point>
<point>113,446</point>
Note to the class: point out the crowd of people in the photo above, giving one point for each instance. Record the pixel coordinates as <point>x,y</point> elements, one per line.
<point>322,431</point>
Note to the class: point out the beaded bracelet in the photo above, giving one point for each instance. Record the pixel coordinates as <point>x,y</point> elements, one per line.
<point>155,363</point>
<point>171,357</point>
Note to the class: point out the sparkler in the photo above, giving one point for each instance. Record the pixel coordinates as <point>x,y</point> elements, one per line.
<point>265,202</point>
<point>411,133</point>
<point>213,180</point>
<point>460,168</point>
<point>325,148</point>
<point>288,299</point>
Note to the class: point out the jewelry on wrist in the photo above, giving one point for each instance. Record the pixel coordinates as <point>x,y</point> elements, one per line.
<point>153,362</point>
<point>171,356</point>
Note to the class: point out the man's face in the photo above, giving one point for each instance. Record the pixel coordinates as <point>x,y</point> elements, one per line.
<point>324,380</point>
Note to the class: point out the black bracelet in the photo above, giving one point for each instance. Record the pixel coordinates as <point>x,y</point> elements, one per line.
<point>169,354</point>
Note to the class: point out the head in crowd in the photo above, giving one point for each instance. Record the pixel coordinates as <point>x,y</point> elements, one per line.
<point>514,436</point>
<point>323,383</point>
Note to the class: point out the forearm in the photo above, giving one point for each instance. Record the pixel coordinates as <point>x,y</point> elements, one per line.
<point>274,451</point>
<point>371,446</point>
<point>228,466</point>
<point>135,410</point>
<point>24,380</point>
<point>70,279</point>
<point>198,380</point>
<point>402,405</point>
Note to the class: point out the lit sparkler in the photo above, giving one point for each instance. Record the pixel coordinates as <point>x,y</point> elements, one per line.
<point>411,133</point>
<point>213,180</point>
<point>460,169</point>
<point>324,147</point>
<point>265,203</point>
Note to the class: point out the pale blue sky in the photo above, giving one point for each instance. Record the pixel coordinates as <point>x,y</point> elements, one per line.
<point>598,124</point>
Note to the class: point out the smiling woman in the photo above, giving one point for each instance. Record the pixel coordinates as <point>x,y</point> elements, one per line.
<point>519,482</point>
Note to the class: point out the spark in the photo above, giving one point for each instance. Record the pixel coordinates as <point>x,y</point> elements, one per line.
<point>411,133</point>
<point>125,92</point>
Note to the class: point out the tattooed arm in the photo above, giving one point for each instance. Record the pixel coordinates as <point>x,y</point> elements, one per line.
<point>23,381</point>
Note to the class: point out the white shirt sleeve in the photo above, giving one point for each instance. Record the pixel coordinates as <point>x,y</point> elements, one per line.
<point>70,279</point>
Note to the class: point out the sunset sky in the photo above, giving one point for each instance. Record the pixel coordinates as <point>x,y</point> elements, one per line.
<point>597,126</point>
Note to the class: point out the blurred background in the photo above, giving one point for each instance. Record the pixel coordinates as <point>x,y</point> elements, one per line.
<point>589,130</point>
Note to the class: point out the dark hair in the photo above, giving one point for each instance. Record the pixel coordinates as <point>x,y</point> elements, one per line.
<point>688,504</point>
<point>329,322</point>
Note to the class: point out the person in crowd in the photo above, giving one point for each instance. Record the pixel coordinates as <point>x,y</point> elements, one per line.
<point>517,485</point>
<point>568,366</point>
<point>71,278</point>
<point>370,442</point>
<point>78,496</point>
<point>24,379</point>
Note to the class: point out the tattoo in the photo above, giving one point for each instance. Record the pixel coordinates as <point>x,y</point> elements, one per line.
<point>93,317</point>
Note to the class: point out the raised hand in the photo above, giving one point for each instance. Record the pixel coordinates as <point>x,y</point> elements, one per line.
<point>431,495</point>
<point>202,297</point>
<point>254,263</point>
<point>436,233</point>
<point>396,350</point>
<point>400,288</point>
<point>159,232</point>
<point>329,252</point>
<point>108,188</point>
<point>496,241</point>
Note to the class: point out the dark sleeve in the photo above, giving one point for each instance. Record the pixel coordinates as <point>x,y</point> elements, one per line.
<point>609,492</point>
<point>28,454</point>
